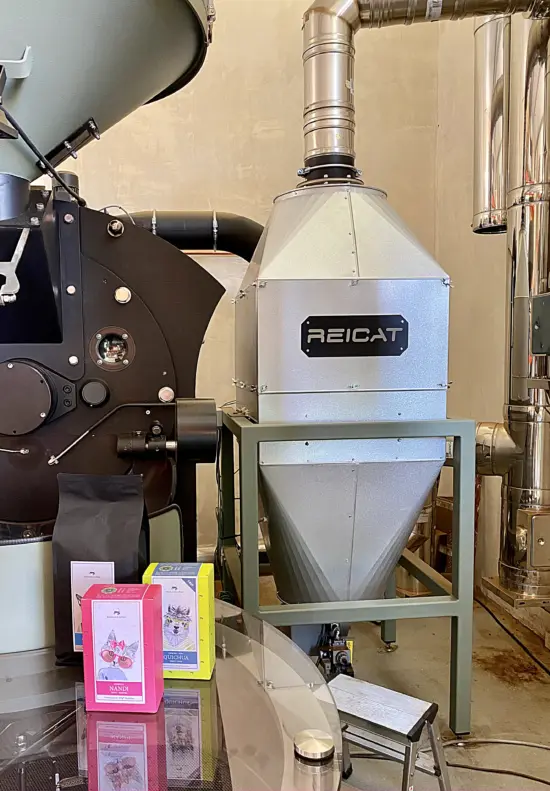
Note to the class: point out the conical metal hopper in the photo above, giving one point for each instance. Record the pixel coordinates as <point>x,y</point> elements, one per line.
<point>97,60</point>
<point>342,316</point>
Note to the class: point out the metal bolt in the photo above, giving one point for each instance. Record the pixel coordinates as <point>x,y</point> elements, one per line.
<point>67,389</point>
<point>126,362</point>
<point>166,395</point>
<point>39,207</point>
<point>68,218</point>
<point>537,325</point>
<point>67,403</point>
<point>98,336</point>
<point>10,365</point>
<point>123,295</point>
<point>541,542</point>
<point>73,359</point>
<point>42,415</point>
<point>99,361</point>
<point>125,336</point>
<point>147,411</point>
<point>115,228</point>
<point>35,221</point>
<point>71,290</point>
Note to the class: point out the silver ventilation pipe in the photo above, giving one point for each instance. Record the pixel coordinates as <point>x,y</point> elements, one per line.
<point>491,99</point>
<point>525,540</point>
<point>329,59</point>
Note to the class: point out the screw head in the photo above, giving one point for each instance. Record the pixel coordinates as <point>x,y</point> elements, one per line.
<point>67,389</point>
<point>126,362</point>
<point>123,295</point>
<point>166,395</point>
<point>10,365</point>
<point>68,218</point>
<point>540,542</point>
<point>115,228</point>
<point>98,336</point>
<point>99,361</point>
<point>67,403</point>
<point>73,359</point>
<point>71,290</point>
<point>124,336</point>
<point>42,415</point>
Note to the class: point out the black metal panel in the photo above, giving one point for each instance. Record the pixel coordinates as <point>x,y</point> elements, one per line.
<point>45,324</point>
<point>540,317</point>
<point>173,299</point>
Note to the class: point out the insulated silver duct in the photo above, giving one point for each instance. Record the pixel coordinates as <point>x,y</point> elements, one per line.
<point>525,542</point>
<point>329,55</point>
<point>491,88</point>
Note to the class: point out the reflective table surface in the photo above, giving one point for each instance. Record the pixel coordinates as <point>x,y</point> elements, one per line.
<point>235,732</point>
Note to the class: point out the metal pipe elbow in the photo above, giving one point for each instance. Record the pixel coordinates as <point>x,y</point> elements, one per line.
<point>348,10</point>
<point>496,451</point>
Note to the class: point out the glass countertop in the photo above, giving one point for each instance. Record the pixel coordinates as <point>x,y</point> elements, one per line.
<point>235,732</point>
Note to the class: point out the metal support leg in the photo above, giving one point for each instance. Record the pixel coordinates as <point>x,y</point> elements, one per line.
<point>347,767</point>
<point>409,766</point>
<point>248,463</point>
<point>463,581</point>
<point>227,485</point>
<point>439,757</point>
<point>388,630</point>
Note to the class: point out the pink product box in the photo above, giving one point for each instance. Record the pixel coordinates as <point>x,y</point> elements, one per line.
<point>122,645</point>
<point>126,751</point>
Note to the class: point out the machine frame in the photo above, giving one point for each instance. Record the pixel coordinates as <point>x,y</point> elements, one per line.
<point>241,568</point>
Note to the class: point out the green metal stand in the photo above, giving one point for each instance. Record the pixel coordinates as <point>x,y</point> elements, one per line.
<point>449,600</point>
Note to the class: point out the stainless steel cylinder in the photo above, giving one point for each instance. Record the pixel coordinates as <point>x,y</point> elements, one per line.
<point>525,539</point>
<point>381,13</point>
<point>329,56</point>
<point>491,94</point>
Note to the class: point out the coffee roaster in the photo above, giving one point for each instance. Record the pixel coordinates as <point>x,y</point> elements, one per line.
<point>101,319</point>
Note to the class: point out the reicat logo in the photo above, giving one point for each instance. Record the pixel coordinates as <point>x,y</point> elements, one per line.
<point>355,336</point>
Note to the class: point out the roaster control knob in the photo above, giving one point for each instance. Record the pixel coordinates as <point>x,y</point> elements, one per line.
<point>94,393</point>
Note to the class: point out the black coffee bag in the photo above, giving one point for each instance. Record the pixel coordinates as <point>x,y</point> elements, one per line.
<point>100,518</point>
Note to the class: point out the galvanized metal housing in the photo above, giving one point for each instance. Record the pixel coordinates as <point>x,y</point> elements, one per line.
<point>340,513</point>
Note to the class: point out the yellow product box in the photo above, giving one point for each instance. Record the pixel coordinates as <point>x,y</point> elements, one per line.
<point>187,617</point>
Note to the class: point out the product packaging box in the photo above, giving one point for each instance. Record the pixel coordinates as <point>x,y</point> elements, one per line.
<point>122,642</point>
<point>126,751</point>
<point>187,617</point>
<point>83,576</point>
<point>192,733</point>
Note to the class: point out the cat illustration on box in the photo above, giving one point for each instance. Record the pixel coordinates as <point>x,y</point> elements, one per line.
<point>177,621</point>
<point>118,657</point>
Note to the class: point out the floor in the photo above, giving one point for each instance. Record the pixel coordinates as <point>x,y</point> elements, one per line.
<point>510,699</point>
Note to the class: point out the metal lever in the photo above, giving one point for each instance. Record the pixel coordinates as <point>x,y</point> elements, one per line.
<point>10,289</point>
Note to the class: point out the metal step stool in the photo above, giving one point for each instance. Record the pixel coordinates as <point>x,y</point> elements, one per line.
<point>390,724</point>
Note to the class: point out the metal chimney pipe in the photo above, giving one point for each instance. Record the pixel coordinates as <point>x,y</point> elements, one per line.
<point>491,89</point>
<point>525,540</point>
<point>329,55</point>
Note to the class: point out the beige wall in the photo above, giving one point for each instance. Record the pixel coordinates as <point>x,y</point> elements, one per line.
<point>232,141</point>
